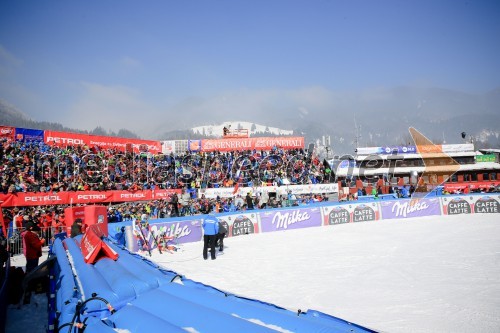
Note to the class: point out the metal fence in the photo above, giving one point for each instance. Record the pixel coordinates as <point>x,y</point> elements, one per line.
<point>15,240</point>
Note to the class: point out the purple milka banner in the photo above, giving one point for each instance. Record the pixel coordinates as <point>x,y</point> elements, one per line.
<point>290,219</point>
<point>410,208</point>
<point>184,231</point>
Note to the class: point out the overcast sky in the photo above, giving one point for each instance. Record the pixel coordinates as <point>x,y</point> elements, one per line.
<point>125,63</point>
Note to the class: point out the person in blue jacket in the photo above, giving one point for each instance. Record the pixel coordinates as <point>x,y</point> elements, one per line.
<point>210,231</point>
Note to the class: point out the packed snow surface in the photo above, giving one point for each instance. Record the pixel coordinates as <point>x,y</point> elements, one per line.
<point>431,274</point>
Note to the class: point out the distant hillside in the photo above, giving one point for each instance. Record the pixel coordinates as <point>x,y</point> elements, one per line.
<point>253,129</point>
<point>372,118</point>
<point>11,116</point>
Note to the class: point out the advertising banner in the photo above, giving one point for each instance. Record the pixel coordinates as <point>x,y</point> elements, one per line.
<point>82,197</point>
<point>485,158</point>
<point>487,204</point>
<point>452,187</point>
<point>457,148</point>
<point>266,143</point>
<point>387,150</point>
<point>163,231</point>
<point>470,204</point>
<point>348,213</point>
<point>7,132</point>
<point>455,205</point>
<point>228,192</point>
<point>308,189</point>
<point>27,134</point>
<point>446,148</point>
<point>410,208</point>
<point>290,219</point>
<point>194,145</point>
<point>63,139</point>
<point>168,147</point>
<point>240,223</point>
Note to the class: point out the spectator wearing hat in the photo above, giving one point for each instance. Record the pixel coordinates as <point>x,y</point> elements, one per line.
<point>26,220</point>
<point>76,228</point>
<point>32,246</point>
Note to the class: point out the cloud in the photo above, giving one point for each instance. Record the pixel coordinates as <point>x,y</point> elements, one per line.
<point>8,63</point>
<point>129,62</point>
<point>8,59</point>
<point>111,107</point>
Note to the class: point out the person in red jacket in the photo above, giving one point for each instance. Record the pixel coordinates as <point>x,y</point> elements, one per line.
<point>32,246</point>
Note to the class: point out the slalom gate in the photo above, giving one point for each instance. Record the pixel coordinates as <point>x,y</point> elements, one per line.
<point>99,284</point>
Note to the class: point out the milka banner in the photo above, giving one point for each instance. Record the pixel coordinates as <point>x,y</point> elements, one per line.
<point>290,219</point>
<point>348,213</point>
<point>410,208</point>
<point>186,231</point>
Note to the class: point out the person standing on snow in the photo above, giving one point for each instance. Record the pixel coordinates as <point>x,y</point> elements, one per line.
<point>220,236</point>
<point>210,230</point>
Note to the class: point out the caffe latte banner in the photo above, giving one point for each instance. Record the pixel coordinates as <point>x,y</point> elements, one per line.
<point>347,213</point>
<point>471,204</point>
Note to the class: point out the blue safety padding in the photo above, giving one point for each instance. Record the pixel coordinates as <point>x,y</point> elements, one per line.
<point>133,319</point>
<point>91,280</point>
<point>201,318</point>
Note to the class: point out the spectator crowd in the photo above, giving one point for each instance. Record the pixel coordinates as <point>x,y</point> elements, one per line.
<point>38,167</point>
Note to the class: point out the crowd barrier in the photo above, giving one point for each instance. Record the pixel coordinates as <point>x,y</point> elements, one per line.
<point>15,241</point>
<point>188,229</point>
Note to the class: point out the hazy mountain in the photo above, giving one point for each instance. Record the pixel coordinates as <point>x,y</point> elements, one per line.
<point>377,117</point>
<point>11,116</point>
<point>370,118</point>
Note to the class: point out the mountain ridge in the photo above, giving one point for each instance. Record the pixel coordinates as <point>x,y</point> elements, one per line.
<point>373,118</point>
